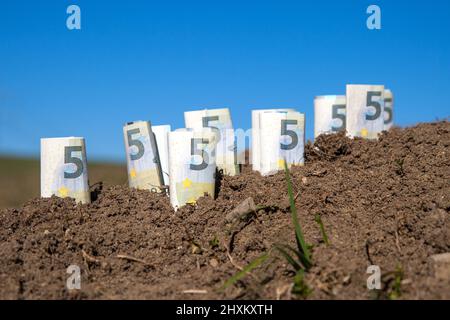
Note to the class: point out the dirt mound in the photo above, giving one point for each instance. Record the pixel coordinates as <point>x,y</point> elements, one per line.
<point>382,203</point>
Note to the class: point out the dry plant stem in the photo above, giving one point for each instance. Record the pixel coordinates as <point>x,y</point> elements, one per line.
<point>397,237</point>
<point>284,290</point>
<point>206,211</point>
<point>323,287</point>
<point>232,261</point>
<point>397,242</point>
<point>369,258</point>
<point>193,291</point>
<point>89,258</point>
<point>237,266</point>
<point>130,258</point>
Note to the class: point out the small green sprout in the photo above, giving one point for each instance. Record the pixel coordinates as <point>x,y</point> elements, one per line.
<point>322,229</point>
<point>396,291</point>
<point>303,249</point>
<point>248,268</point>
<point>300,287</point>
<point>400,170</point>
<point>214,243</point>
<point>299,259</point>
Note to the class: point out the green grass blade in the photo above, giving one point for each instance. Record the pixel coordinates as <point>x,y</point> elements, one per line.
<point>248,268</point>
<point>396,290</point>
<point>298,230</point>
<point>301,257</point>
<point>322,229</point>
<point>289,258</point>
<point>300,287</point>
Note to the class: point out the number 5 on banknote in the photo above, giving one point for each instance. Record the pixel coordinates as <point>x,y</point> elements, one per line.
<point>196,150</point>
<point>144,168</point>
<point>388,109</point>
<point>69,158</point>
<point>192,165</point>
<point>219,121</point>
<point>282,140</point>
<point>64,168</point>
<point>256,134</point>
<point>329,114</point>
<point>365,110</point>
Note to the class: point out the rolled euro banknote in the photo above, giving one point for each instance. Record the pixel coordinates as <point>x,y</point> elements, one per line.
<point>64,170</point>
<point>282,140</point>
<point>162,140</point>
<point>388,109</point>
<point>256,144</point>
<point>144,169</point>
<point>329,114</point>
<point>219,120</point>
<point>192,166</point>
<point>365,111</point>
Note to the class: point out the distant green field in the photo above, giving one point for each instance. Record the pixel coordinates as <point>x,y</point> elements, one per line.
<point>20,178</point>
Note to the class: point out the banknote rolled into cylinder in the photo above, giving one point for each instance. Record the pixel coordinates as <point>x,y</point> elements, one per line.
<point>220,121</point>
<point>162,140</point>
<point>144,169</point>
<point>282,138</point>
<point>192,166</point>
<point>256,145</point>
<point>329,114</point>
<point>365,111</point>
<point>64,171</point>
<point>388,109</point>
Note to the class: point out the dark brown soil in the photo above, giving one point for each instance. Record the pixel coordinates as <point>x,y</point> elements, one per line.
<point>382,203</point>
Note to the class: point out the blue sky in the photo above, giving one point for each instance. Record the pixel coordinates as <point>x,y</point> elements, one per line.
<point>156,59</point>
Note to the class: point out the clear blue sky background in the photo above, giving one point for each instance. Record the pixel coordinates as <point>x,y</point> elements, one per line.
<point>155,59</point>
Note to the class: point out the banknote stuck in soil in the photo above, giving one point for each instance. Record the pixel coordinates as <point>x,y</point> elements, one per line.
<point>382,203</point>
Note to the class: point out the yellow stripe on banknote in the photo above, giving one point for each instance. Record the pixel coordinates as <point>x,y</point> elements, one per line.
<point>194,191</point>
